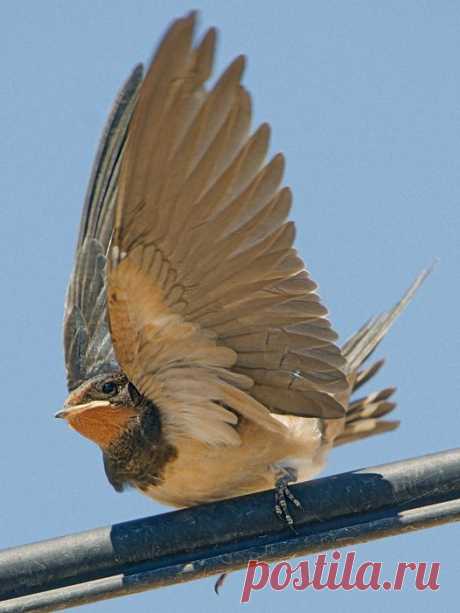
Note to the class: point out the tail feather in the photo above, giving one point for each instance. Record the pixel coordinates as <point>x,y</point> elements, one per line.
<point>374,405</point>
<point>362,376</point>
<point>364,414</point>
<point>365,428</point>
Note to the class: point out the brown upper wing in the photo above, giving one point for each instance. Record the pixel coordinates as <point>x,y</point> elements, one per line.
<point>205,288</point>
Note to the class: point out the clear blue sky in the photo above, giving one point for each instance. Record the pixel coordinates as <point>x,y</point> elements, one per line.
<point>364,100</point>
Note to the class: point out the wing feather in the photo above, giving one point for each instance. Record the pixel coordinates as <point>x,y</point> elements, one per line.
<point>204,282</point>
<point>87,342</point>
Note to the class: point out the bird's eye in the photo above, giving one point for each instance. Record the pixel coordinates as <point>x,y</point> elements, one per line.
<point>109,388</point>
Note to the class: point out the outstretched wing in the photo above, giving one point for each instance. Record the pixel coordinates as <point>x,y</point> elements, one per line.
<point>210,306</point>
<point>87,344</point>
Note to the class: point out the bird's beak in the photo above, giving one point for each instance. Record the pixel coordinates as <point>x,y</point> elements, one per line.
<point>67,412</point>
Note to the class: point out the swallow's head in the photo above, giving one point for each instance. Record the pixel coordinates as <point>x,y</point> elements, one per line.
<point>102,408</point>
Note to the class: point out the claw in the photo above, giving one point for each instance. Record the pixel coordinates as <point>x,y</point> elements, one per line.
<point>283,494</point>
<point>292,498</point>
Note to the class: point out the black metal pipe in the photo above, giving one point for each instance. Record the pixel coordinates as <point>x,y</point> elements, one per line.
<point>149,552</point>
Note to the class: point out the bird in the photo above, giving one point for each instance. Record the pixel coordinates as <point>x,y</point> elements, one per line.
<point>199,355</point>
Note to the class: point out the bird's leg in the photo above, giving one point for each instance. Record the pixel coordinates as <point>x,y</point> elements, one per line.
<point>283,494</point>
<point>283,476</point>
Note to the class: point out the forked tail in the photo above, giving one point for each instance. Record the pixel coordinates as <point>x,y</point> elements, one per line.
<point>364,413</point>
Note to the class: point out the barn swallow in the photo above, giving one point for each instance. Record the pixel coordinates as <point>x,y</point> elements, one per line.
<point>199,356</point>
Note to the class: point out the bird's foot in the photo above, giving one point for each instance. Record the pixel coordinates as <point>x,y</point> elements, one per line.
<point>283,495</point>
